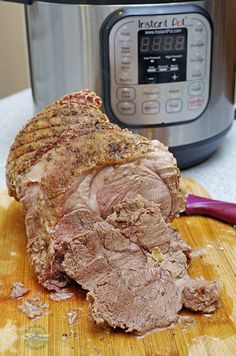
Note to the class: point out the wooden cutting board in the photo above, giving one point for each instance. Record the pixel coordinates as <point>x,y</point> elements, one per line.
<point>51,334</point>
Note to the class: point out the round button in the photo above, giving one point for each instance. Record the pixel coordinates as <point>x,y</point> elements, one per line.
<point>126,107</point>
<point>195,88</point>
<point>151,93</point>
<point>195,103</point>
<point>173,106</point>
<point>126,93</point>
<point>174,92</point>
<point>151,107</point>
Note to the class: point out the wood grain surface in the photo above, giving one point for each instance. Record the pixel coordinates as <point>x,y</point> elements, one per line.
<point>51,334</point>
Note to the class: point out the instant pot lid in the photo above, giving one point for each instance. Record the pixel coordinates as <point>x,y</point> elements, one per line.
<point>101,2</point>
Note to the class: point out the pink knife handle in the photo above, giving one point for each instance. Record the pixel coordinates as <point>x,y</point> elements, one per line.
<point>215,208</point>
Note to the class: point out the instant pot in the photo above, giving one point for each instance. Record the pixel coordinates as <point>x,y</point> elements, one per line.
<point>165,69</point>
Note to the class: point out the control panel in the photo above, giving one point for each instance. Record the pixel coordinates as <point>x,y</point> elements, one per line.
<point>157,67</point>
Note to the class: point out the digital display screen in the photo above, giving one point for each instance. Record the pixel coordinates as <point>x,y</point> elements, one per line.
<point>162,55</point>
<point>162,43</point>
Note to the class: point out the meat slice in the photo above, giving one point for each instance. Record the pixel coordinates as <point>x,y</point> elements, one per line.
<point>142,221</point>
<point>200,295</point>
<point>135,300</point>
<point>93,254</point>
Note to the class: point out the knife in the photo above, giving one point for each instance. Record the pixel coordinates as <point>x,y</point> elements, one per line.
<point>215,208</point>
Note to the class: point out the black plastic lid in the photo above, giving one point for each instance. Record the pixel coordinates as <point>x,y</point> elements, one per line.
<point>101,2</point>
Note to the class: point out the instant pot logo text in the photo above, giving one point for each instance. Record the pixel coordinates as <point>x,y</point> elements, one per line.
<point>175,22</point>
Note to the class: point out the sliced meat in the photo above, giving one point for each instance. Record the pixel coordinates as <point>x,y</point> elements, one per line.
<point>93,254</point>
<point>136,301</point>
<point>202,296</point>
<point>141,221</point>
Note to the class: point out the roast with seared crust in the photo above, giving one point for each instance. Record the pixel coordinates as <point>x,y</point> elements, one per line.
<point>98,203</point>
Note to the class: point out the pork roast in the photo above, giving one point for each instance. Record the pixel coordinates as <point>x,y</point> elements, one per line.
<point>98,203</point>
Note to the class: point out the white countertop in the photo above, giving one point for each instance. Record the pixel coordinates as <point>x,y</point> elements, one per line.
<point>217,174</point>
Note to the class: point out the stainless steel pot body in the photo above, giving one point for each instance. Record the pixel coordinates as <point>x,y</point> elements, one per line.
<point>64,51</point>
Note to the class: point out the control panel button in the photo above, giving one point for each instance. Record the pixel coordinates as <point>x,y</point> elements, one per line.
<point>198,28</point>
<point>197,65</point>
<point>125,48</point>
<point>125,93</point>
<point>195,88</point>
<point>198,37</point>
<point>123,77</point>
<point>126,107</point>
<point>124,33</point>
<point>195,103</point>
<point>174,92</point>
<point>125,61</point>
<point>174,77</point>
<point>198,57</point>
<point>151,92</point>
<point>174,105</point>
<point>197,62</point>
<point>151,107</point>
<point>197,72</point>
